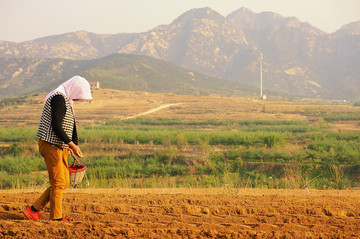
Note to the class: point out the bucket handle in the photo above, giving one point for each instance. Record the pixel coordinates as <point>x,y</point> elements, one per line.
<point>75,159</point>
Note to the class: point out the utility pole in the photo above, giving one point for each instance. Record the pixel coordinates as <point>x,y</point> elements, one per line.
<point>261,80</point>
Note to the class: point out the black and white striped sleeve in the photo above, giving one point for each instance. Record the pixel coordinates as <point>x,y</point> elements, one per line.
<point>58,110</point>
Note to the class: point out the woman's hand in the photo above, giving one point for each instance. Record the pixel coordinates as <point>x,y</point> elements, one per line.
<point>75,149</point>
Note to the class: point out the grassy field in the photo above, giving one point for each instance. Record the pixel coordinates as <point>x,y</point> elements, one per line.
<point>202,141</point>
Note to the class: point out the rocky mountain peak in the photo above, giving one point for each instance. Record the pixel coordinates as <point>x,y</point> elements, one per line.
<point>198,13</point>
<point>242,13</point>
<point>352,28</point>
<point>247,19</point>
<point>242,17</point>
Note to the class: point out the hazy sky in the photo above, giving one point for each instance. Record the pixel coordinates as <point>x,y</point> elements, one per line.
<point>22,20</point>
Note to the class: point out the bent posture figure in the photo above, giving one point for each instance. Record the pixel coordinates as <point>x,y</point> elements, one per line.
<point>57,135</point>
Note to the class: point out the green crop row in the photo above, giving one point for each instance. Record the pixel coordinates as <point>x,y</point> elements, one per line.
<point>210,122</point>
<point>270,154</point>
<point>251,167</point>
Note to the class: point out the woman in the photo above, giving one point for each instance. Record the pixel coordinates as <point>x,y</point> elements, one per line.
<point>57,135</point>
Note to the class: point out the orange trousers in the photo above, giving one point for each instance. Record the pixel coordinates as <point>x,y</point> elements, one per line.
<point>57,166</point>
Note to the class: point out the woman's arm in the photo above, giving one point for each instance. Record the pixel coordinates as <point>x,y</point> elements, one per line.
<point>58,109</point>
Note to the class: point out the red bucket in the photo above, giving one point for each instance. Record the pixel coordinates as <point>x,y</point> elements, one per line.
<point>76,168</point>
<point>77,171</point>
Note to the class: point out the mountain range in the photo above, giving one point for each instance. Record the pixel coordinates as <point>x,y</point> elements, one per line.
<point>116,71</point>
<point>297,57</point>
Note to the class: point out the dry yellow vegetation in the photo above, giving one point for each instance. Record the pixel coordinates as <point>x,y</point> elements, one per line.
<point>109,104</point>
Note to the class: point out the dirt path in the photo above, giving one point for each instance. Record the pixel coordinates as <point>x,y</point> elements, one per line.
<point>152,110</point>
<point>188,213</point>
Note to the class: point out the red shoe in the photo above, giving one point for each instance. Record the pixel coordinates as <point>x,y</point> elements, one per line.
<point>30,214</point>
<point>63,220</point>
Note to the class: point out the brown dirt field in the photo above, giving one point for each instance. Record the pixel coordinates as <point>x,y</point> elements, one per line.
<point>187,213</point>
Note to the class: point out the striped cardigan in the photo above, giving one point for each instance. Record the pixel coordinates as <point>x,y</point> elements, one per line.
<point>46,132</point>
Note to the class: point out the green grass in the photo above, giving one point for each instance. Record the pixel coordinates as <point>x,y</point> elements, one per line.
<point>265,154</point>
<point>157,136</point>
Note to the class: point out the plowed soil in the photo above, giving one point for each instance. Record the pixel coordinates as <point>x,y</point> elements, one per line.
<point>187,213</point>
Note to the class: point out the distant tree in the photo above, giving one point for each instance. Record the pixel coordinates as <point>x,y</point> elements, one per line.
<point>357,103</point>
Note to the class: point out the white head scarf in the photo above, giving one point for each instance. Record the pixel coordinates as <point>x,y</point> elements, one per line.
<point>76,88</point>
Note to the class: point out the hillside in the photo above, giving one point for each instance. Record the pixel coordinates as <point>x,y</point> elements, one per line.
<point>23,76</point>
<point>117,71</point>
<point>298,58</point>
<point>132,72</point>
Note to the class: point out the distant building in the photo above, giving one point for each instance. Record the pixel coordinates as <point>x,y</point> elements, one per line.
<point>344,101</point>
<point>94,84</point>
